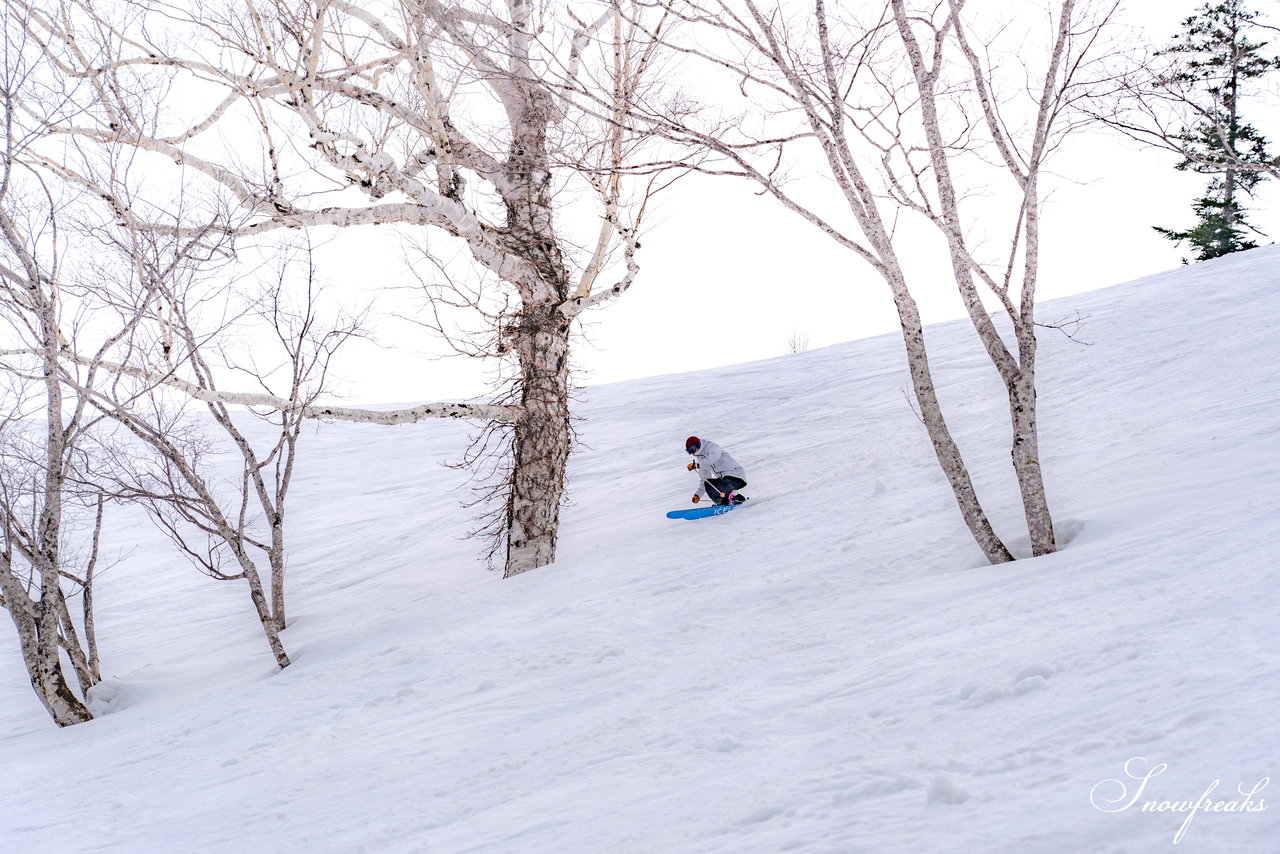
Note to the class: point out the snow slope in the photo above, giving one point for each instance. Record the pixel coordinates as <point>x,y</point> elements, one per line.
<point>830,669</point>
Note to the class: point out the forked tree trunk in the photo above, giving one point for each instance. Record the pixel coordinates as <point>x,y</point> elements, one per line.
<point>271,627</point>
<point>37,625</point>
<point>864,203</point>
<point>1018,374</point>
<point>45,668</point>
<point>47,675</point>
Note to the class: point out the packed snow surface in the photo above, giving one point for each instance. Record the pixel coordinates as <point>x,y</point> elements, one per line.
<point>831,668</point>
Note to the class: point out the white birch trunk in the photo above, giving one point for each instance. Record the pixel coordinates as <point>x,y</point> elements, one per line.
<point>40,622</point>
<point>1018,374</point>
<point>1023,408</point>
<point>863,203</point>
<point>541,338</point>
<point>37,627</point>
<point>47,675</point>
<point>271,626</point>
<point>541,444</point>
<point>944,446</point>
<point>43,624</point>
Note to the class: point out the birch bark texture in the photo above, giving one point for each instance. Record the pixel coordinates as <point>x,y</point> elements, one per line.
<point>909,115</point>
<point>45,507</point>
<point>38,451</point>
<point>477,123</point>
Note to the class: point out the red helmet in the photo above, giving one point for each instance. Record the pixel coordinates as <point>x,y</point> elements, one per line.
<point>692,444</point>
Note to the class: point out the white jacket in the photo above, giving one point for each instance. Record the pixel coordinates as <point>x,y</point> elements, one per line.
<point>713,462</point>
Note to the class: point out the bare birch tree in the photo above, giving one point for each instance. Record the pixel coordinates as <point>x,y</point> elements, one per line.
<point>165,362</point>
<point>906,107</point>
<point>228,520</point>
<point>468,120</point>
<point>40,439</point>
<point>44,424</point>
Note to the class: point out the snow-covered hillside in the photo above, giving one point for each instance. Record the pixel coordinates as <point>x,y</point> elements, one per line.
<point>830,669</point>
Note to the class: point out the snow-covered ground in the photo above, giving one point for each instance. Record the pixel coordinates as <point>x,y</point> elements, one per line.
<point>830,669</point>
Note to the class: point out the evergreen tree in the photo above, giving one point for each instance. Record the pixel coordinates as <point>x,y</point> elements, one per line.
<point>1218,59</point>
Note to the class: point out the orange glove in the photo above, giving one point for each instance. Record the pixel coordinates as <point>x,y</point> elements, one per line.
<point>696,499</point>
<point>692,466</point>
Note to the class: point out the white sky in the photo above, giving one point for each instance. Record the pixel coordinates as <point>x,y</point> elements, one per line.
<point>727,276</point>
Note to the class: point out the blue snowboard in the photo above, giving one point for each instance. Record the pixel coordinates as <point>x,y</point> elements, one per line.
<point>702,512</point>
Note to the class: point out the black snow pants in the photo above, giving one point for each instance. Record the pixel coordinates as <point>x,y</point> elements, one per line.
<point>718,489</point>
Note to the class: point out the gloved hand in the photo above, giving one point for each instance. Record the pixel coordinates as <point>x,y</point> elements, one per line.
<point>696,499</point>
<point>692,466</point>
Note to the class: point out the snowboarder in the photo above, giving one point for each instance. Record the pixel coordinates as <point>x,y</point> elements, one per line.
<point>721,475</point>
